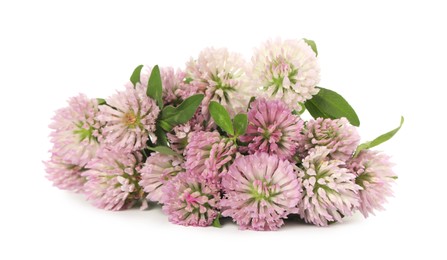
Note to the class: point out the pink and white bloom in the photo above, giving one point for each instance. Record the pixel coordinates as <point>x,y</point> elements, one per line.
<point>112,180</point>
<point>190,200</point>
<point>129,118</point>
<point>375,175</point>
<point>272,129</point>
<point>337,135</point>
<point>286,70</point>
<point>76,130</point>
<point>208,154</point>
<point>222,76</point>
<point>157,171</point>
<point>76,135</point>
<point>65,175</point>
<point>330,192</point>
<point>260,190</point>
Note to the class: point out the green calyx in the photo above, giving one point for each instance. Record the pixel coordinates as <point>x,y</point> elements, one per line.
<point>84,133</point>
<point>362,178</point>
<point>222,86</point>
<point>277,82</point>
<point>263,191</point>
<point>328,134</point>
<point>266,134</point>
<point>319,175</point>
<point>75,168</point>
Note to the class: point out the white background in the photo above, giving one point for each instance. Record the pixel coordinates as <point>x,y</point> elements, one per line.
<point>387,58</point>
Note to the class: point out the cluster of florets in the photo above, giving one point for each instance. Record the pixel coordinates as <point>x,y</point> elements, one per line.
<point>222,138</point>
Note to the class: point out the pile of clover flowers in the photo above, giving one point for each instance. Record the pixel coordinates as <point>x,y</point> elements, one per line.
<point>223,138</point>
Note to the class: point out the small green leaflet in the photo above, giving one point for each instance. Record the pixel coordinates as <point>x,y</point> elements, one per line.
<point>163,150</point>
<point>379,140</point>
<point>161,136</point>
<point>154,87</point>
<point>84,134</point>
<point>216,221</point>
<point>221,117</point>
<point>240,122</point>
<point>330,104</point>
<point>188,80</point>
<point>172,116</point>
<point>135,77</point>
<point>312,45</point>
<point>101,101</point>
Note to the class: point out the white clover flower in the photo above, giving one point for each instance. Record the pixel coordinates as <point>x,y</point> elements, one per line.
<point>286,70</point>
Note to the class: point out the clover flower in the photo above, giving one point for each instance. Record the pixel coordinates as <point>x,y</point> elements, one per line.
<point>260,191</point>
<point>190,200</point>
<point>221,75</point>
<point>76,135</point>
<point>329,189</point>
<point>337,135</point>
<point>286,70</point>
<point>129,118</point>
<point>375,175</point>
<point>208,154</point>
<point>157,171</point>
<point>112,180</point>
<point>272,129</point>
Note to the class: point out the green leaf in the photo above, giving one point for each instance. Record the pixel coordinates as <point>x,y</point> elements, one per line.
<point>240,122</point>
<point>101,101</point>
<point>154,87</point>
<point>172,116</point>
<point>379,140</point>
<point>165,125</point>
<point>188,80</point>
<point>161,136</point>
<point>216,222</point>
<point>221,117</point>
<point>314,111</point>
<point>163,150</point>
<point>329,104</point>
<point>135,77</point>
<point>312,45</point>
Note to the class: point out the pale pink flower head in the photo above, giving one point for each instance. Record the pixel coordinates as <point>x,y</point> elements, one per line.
<point>272,129</point>
<point>157,171</point>
<point>129,118</point>
<point>260,190</point>
<point>337,135</point>
<point>112,180</point>
<point>190,200</point>
<point>286,70</point>
<point>208,154</point>
<point>330,192</point>
<point>76,130</point>
<point>65,175</point>
<point>76,135</point>
<point>222,76</point>
<point>375,175</point>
